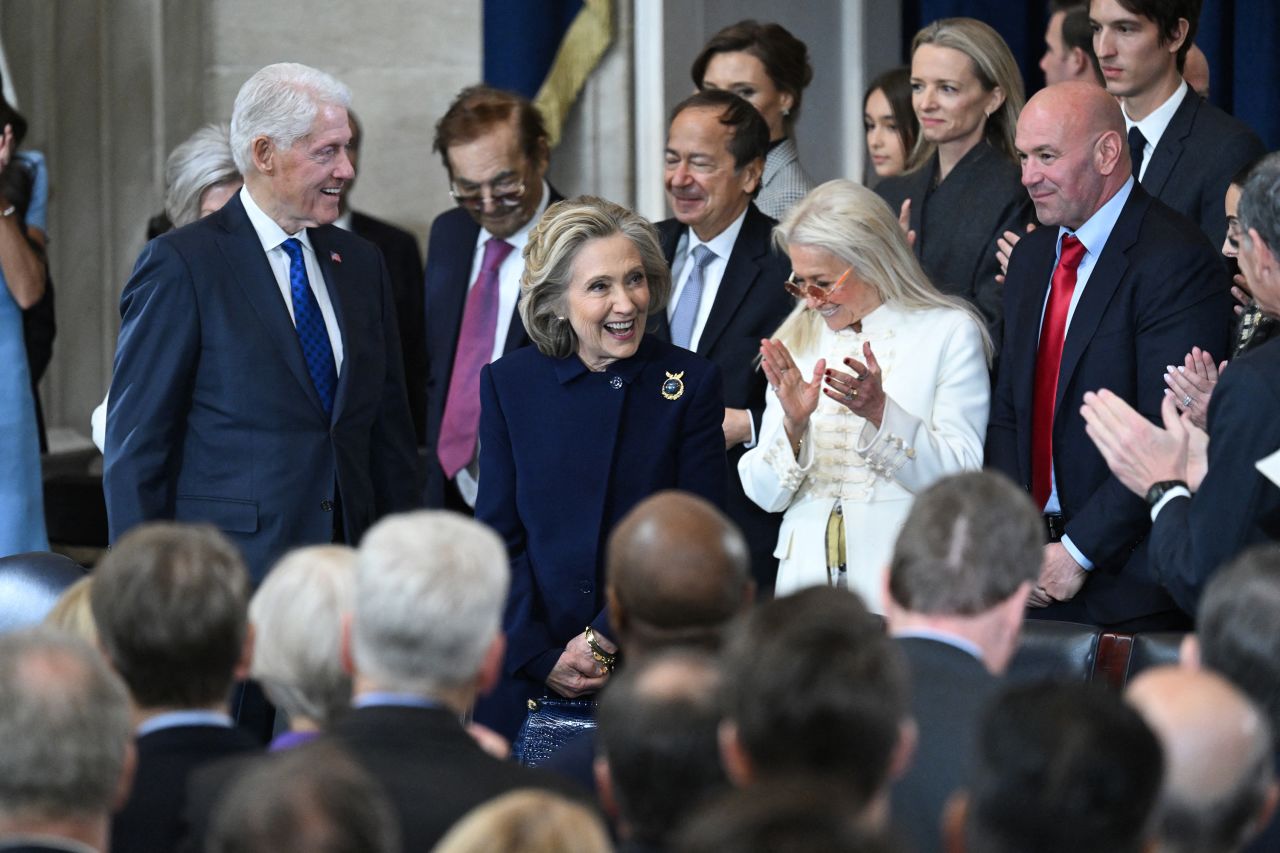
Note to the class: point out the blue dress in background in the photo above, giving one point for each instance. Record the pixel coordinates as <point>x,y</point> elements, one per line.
<point>21,494</point>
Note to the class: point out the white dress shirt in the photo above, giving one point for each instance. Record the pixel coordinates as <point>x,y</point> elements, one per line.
<point>271,235</point>
<point>1154,125</point>
<point>712,273</point>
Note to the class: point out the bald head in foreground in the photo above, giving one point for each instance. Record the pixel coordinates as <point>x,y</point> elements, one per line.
<point>1219,786</point>
<point>1120,288</point>
<point>678,571</point>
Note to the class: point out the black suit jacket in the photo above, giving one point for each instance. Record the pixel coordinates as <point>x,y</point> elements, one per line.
<point>404,266</point>
<point>950,690</point>
<point>152,820</point>
<point>750,304</point>
<point>431,769</point>
<point>1199,152</point>
<point>1157,289</point>
<point>958,221</point>
<point>1235,506</point>
<point>450,250</point>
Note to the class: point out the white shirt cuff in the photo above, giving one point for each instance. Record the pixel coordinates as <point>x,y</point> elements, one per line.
<point>1175,492</point>
<point>1076,554</point>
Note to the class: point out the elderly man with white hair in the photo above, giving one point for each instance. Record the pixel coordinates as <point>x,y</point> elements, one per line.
<point>424,640</point>
<point>258,380</point>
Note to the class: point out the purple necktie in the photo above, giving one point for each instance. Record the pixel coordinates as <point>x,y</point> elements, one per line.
<point>457,445</point>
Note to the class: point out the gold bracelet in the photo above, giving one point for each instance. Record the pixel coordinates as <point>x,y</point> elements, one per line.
<point>602,657</point>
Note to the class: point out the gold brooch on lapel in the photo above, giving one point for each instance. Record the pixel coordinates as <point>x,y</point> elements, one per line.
<point>673,388</point>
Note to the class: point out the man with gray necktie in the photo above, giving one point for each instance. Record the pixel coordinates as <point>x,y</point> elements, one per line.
<point>726,277</point>
<point>258,380</point>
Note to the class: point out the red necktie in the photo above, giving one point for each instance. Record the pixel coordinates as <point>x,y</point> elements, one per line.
<point>457,444</point>
<point>1048,360</point>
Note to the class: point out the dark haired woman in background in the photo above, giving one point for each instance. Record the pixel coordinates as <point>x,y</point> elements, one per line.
<point>768,66</point>
<point>890,122</point>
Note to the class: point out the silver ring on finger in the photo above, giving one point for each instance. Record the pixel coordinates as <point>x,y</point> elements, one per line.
<point>1187,401</point>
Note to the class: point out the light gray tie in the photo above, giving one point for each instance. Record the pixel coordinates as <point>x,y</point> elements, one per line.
<point>686,314</point>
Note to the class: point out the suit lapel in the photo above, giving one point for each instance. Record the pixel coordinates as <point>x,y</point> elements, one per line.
<point>669,231</point>
<point>1165,156</point>
<point>339,294</point>
<point>740,274</point>
<point>252,272</point>
<point>1098,292</point>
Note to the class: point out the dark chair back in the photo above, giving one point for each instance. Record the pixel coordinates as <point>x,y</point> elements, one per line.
<point>31,583</point>
<point>1061,651</point>
<point>1156,648</point>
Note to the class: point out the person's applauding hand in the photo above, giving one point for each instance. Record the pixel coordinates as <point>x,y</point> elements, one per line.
<point>798,396</point>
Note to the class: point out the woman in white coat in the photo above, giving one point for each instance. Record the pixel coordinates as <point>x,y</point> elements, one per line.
<point>878,387</point>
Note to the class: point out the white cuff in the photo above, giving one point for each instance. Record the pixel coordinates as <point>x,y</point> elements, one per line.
<point>1175,492</point>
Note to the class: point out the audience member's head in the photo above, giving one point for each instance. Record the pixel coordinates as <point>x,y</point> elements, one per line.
<point>763,63</point>
<point>814,687</point>
<point>1237,632</point>
<point>678,571</point>
<point>964,562</point>
<point>289,135</point>
<point>716,145</point>
<point>297,616</point>
<point>1142,47</point>
<point>1061,767</point>
<point>200,175</point>
<point>1195,70</point>
<point>430,587</point>
<point>658,757</point>
<point>1068,42</point>
<point>495,149</point>
<point>967,53</point>
<point>66,738</point>
<point>1075,157</point>
<point>170,603</point>
<point>1231,206</point>
<point>1219,784</point>
<point>314,798</point>
<point>795,814</point>
<point>527,821</point>
<point>73,613</point>
<point>890,122</point>
<point>1259,215</point>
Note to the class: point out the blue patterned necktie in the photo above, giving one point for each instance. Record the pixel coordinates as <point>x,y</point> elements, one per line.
<point>686,313</point>
<point>309,322</point>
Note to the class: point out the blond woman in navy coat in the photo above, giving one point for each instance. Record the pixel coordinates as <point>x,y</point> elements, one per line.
<point>577,430</point>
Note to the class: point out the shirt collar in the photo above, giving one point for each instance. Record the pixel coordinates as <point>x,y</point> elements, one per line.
<point>1094,232</point>
<point>953,640</point>
<point>270,234</point>
<point>344,220</point>
<point>175,719</point>
<point>393,699</point>
<point>722,243</point>
<point>1154,125</point>
<point>518,239</point>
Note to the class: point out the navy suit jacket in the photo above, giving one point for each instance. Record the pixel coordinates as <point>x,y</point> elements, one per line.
<point>1158,289</point>
<point>1236,505</point>
<point>450,251</point>
<point>1199,152</point>
<point>213,416</point>
<point>750,304</point>
<point>564,454</point>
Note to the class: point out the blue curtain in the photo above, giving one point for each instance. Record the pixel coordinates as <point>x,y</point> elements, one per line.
<point>521,38</point>
<point>1239,38</point>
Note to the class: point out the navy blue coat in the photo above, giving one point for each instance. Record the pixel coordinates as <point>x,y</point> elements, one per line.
<point>213,416</point>
<point>564,454</point>
<point>1158,289</point>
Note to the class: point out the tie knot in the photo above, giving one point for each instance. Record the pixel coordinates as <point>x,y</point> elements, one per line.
<point>495,252</point>
<point>1137,142</point>
<point>702,256</point>
<point>1073,252</point>
<point>293,248</point>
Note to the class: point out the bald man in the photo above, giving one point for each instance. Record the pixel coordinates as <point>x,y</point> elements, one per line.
<point>1122,287</point>
<point>1219,786</point>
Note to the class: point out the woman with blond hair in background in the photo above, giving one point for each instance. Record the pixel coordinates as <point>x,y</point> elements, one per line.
<point>965,187</point>
<point>528,822</point>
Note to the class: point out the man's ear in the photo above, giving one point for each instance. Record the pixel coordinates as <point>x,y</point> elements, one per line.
<point>262,153</point>
<point>1189,652</point>
<point>245,664</point>
<point>604,788</point>
<point>904,750</point>
<point>1078,60</point>
<point>345,649</point>
<point>751,174</point>
<point>955,814</point>
<point>737,764</point>
<point>1108,151</point>
<point>125,786</point>
<point>1179,36</point>
<point>491,667</point>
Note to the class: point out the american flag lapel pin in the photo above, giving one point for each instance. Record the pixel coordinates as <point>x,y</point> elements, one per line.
<point>335,257</point>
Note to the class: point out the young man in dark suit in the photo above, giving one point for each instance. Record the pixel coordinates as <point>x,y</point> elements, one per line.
<point>1184,149</point>
<point>962,569</point>
<point>1207,498</point>
<point>1131,286</point>
<point>495,149</point>
<point>424,640</point>
<point>170,603</point>
<point>258,382</point>
<point>726,277</point>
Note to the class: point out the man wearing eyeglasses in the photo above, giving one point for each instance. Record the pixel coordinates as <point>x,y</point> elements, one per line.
<point>494,147</point>
<point>725,277</point>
